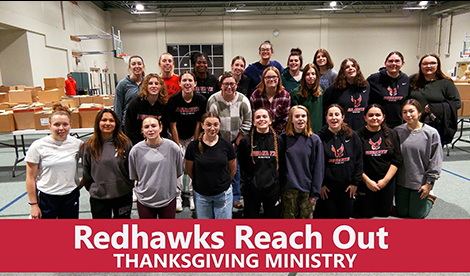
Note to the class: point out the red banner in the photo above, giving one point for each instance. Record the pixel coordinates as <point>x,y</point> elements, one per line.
<point>238,245</point>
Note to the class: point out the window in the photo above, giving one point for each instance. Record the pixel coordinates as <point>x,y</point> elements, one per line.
<point>182,55</point>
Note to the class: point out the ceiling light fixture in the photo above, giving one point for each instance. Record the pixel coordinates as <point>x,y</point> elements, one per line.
<point>139,7</point>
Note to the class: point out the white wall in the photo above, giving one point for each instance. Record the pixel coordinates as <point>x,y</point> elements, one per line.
<point>368,38</point>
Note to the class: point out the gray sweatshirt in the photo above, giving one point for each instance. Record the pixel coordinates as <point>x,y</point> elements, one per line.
<point>109,176</point>
<point>422,156</point>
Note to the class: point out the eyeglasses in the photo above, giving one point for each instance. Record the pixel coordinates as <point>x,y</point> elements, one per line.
<point>429,64</point>
<point>231,84</point>
<point>270,77</point>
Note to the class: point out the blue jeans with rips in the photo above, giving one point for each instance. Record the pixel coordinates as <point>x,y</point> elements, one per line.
<point>217,206</point>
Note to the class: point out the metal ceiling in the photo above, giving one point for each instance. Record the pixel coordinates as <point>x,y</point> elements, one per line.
<point>216,8</point>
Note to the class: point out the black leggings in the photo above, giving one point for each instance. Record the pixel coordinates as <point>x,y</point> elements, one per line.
<point>376,204</point>
<point>118,208</point>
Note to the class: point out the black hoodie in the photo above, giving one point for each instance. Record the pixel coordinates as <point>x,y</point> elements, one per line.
<point>343,159</point>
<point>390,93</point>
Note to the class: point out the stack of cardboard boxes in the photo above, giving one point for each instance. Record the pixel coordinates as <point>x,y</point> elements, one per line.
<point>464,91</point>
<point>23,107</point>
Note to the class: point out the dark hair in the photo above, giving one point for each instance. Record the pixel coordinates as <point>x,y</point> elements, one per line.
<point>196,55</point>
<point>340,80</point>
<point>162,96</point>
<point>419,81</point>
<point>189,73</point>
<point>274,137</point>
<point>296,52</point>
<point>395,53</point>
<point>344,126</point>
<point>329,61</point>
<point>266,42</point>
<point>206,115</point>
<point>303,89</point>
<point>383,125</point>
<point>95,143</point>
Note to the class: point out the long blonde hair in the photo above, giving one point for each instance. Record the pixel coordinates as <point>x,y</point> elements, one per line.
<point>307,131</point>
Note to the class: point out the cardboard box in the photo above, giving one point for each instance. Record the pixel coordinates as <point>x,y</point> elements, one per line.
<point>41,120</point>
<point>7,121</point>
<point>465,110</point>
<point>24,117</point>
<point>50,83</point>
<point>4,97</point>
<point>53,95</point>
<point>464,90</point>
<point>85,99</point>
<point>108,101</point>
<point>88,114</point>
<point>19,96</point>
<point>75,118</point>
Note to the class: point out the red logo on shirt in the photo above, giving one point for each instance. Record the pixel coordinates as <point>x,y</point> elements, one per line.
<point>375,145</point>
<point>338,152</point>
<point>392,92</point>
<point>356,102</point>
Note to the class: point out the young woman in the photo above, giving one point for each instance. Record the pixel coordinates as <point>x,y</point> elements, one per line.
<point>438,95</point>
<point>207,83</point>
<point>343,165</point>
<point>128,88</point>
<point>304,165</point>
<point>422,155</point>
<point>351,91</point>
<point>390,87</point>
<point>185,110</point>
<point>152,100</point>
<point>309,94</point>
<point>107,150</point>
<point>211,163</point>
<point>238,70</point>
<point>234,111</point>
<point>155,164</point>
<point>259,154</point>
<point>323,61</point>
<point>291,77</point>
<point>52,170</point>
<point>272,96</point>
<point>256,69</point>
<point>166,62</point>
<point>382,157</point>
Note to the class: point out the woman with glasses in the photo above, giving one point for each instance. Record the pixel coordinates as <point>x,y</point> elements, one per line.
<point>256,69</point>
<point>272,96</point>
<point>438,96</point>
<point>234,111</point>
<point>107,150</point>
<point>211,164</point>
<point>390,87</point>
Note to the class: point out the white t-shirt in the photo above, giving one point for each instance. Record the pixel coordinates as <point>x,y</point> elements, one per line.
<point>58,160</point>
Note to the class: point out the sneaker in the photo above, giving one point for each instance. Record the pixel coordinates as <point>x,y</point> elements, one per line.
<point>238,204</point>
<point>192,207</point>
<point>179,205</point>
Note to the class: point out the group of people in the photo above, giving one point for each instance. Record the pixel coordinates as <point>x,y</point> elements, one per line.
<point>301,142</point>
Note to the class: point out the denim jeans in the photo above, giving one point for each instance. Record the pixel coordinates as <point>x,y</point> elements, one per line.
<point>236,185</point>
<point>217,206</point>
